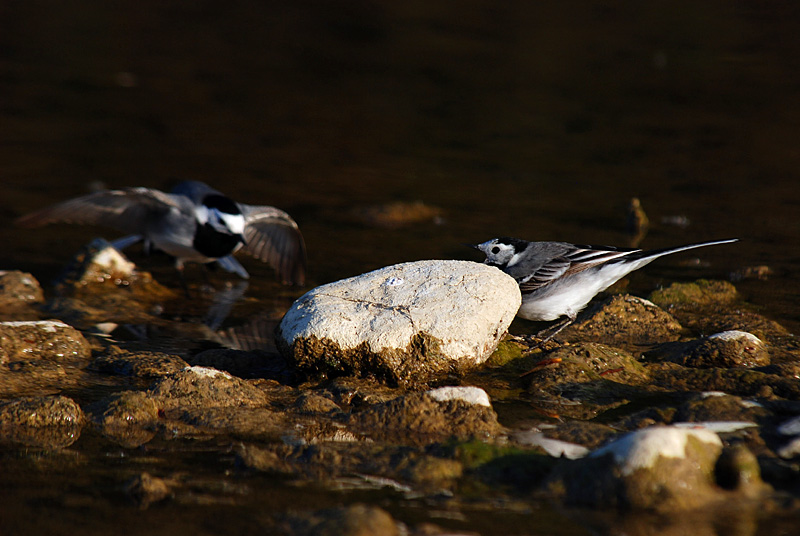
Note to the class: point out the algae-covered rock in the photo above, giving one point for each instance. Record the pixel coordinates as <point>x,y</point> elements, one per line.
<point>419,419</point>
<point>128,418</point>
<point>624,321</point>
<point>737,469</point>
<point>700,293</point>
<point>585,379</point>
<point>727,349</point>
<point>20,296</point>
<point>46,339</point>
<point>138,364</point>
<point>405,324</point>
<point>47,421</point>
<point>204,387</point>
<point>660,468</point>
<point>99,266</point>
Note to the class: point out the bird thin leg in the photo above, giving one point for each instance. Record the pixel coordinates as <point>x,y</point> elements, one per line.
<point>556,329</point>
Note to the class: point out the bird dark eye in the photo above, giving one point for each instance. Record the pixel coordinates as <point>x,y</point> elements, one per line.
<point>495,250</point>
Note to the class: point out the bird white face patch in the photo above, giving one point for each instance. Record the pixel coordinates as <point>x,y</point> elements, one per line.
<point>234,222</point>
<point>221,221</point>
<point>498,253</point>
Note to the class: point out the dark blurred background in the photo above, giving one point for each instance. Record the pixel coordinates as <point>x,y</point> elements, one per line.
<point>533,119</point>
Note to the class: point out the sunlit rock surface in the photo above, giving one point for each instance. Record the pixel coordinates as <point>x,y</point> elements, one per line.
<point>406,323</point>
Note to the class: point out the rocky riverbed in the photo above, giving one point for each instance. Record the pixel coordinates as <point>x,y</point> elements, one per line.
<point>679,411</point>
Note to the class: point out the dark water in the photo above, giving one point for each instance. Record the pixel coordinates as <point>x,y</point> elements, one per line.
<point>537,120</point>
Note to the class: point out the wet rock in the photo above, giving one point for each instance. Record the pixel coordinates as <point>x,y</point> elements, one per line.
<point>311,403</point>
<point>737,469</point>
<point>244,364</point>
<point>636,222</point>
<point>715,306</point>
<point>257,424</point>
<point>717,406</point>
<point>405,324</point>
<point>659,468</point>
<point>128,418</point>
<point>701,293</point>
<point>353,520</point>
<point>625,321</point>
<point>19,287</point>
<point>588,434</point>
<point>585,379</point>
<point>138,364</point>
<point>145,489</point>
<point>48,421</point>
<point>419,419</point>
<point>205,388</point>
<point>358,392</point>
<point>339,458</point>
<point>741,382</point>
<point>467,394</point>
<point>20,296</point>
<point>761,272</point>
<point>727,349</point>
<point>46,339</point>
<point>100,266</point>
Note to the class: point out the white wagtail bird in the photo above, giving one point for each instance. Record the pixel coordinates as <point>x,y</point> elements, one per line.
<point>193,223</point>
<point>559,279</point>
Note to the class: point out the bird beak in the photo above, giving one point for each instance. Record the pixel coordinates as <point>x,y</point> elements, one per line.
<point>473,246</point>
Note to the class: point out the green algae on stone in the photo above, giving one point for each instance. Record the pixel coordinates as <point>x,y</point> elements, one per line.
<point>507,351</point>
<point>413,366</point>
<point>700,293</point>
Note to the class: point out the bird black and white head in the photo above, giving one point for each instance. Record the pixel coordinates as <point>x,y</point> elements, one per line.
<point>502,252</point>
<point>221,214</point>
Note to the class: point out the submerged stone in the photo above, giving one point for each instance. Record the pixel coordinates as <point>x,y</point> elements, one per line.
<point>352,520</point>
<point>405,324</point>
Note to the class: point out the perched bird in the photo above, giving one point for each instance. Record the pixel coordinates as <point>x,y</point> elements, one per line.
<point>193,223</point>
<point>559,279</point>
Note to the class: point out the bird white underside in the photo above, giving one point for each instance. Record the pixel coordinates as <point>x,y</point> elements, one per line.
<point>568,296</point>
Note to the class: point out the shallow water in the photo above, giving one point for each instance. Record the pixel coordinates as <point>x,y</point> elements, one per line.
<point>536,121</point>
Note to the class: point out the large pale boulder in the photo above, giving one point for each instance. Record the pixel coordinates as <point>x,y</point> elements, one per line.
<point>405,324</point>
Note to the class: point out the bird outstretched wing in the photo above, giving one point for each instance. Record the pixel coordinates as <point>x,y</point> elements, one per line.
<point>127,210</point>
<point>272,236</point>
